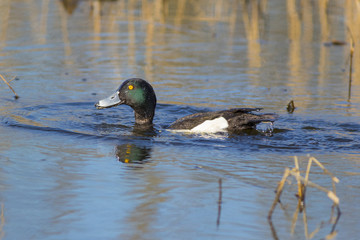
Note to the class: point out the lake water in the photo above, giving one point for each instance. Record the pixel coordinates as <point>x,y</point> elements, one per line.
<point>69,171</point>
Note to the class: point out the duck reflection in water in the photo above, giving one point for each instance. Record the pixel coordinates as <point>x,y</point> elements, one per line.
<point>130,153</point>
<point>144,131</point>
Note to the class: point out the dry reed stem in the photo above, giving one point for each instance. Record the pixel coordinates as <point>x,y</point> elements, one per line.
<point>7,83</point>
<point>273,230</point>
<point>300,195</point>
<point>294,220</point>
<point>302,182</point>
<point>306,230</point>
<point>317,229</point>
<point>297,170</point>
<point>12,79</point>
<point>308,170</point>
<point>330,194</point>
<point>278,192</point>
<point>331,235</point>
<point>301,186</point>
<point>335,179</point>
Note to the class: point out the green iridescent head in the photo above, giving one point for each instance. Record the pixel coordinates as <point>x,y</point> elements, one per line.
<point>136,93</point>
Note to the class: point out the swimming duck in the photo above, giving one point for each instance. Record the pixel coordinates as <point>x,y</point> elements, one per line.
<point>140,96</point>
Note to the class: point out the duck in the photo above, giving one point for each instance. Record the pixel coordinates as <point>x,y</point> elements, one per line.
<point>140,96</point>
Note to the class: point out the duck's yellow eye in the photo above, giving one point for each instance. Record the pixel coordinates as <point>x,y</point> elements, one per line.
<point>131,87</point>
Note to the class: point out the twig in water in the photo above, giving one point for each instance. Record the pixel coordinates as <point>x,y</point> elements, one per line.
<point>219,203</point>
<point>2,220</point>
<point>7,83</point>
<point>337,218</point>
<point>278,192</point>
<point>273,230</point>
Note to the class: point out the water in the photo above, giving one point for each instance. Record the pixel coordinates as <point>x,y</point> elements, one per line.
<point>69,171</point>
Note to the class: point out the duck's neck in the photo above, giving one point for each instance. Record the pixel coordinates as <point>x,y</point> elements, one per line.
<point>144,117</point>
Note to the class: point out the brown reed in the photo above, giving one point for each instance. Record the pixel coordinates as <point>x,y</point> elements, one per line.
<point>302,184</point>
<point>8,83</point>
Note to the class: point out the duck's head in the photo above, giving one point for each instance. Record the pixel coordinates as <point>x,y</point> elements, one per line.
<point>136,93</point>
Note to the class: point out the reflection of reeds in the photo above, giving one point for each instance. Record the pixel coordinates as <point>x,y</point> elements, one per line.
<point>4,18</point>
<point>253,20</point>
<point>351,55</point>
<point>252,12</point>
<point>303,183</point>
<point>352,16</point>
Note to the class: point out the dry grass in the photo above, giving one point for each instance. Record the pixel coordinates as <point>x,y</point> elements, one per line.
<point>8,83</point>
<point>302,184</point>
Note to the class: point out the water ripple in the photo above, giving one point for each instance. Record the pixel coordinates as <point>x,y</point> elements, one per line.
<point>290,134</point>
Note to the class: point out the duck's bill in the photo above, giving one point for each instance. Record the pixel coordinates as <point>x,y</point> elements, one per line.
<point>110,101</point>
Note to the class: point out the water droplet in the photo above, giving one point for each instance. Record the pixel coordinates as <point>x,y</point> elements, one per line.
<point>267,128</point>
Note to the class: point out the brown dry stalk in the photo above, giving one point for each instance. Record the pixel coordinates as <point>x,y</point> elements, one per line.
<point>7,83</point>
<point>330,194</point>
<point>279,191</point>
<point>302,183</point>
<point>301,186</point>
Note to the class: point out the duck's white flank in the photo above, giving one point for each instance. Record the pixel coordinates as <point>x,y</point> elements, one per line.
<point>211,126</point>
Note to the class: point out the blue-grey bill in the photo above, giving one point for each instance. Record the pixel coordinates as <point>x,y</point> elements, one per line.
<point>110,101</point>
